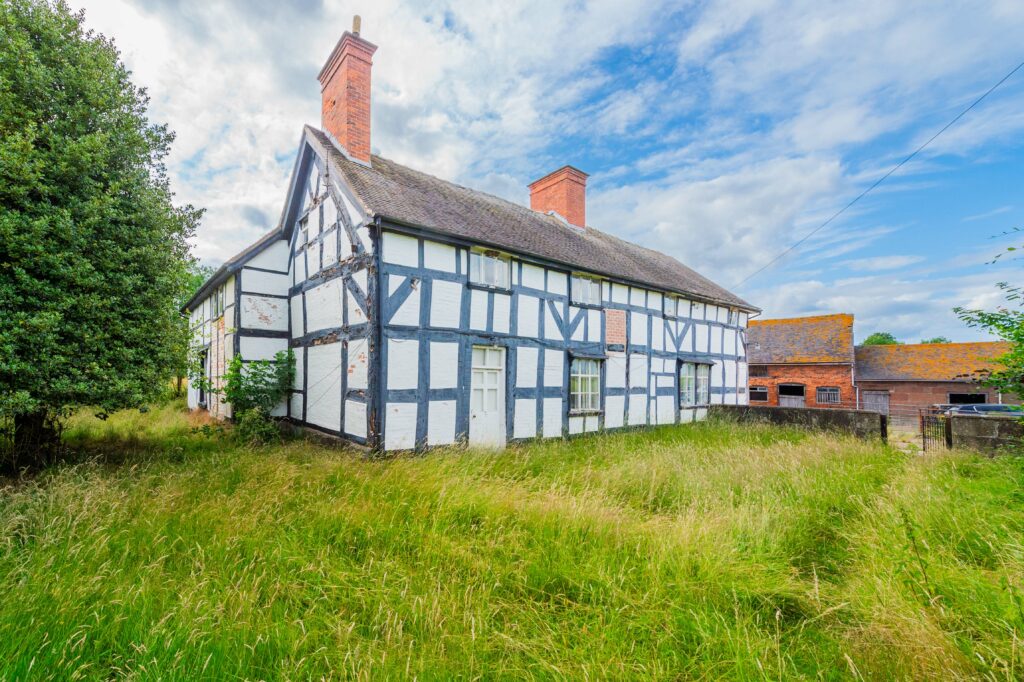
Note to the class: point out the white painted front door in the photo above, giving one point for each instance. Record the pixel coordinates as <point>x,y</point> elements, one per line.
<point>487,397</point>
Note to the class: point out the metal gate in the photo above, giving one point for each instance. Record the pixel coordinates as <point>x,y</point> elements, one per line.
<point>936,433</point>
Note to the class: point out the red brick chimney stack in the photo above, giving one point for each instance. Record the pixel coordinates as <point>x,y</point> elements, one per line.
<point>345,89</point>
<point>564,192</point>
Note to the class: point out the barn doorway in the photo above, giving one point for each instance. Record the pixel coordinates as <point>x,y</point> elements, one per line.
<point>791,395</point>
<point>876,401</point>
<point>487,397</point>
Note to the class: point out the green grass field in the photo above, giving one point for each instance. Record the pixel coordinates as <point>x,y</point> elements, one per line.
<point>708,551</point>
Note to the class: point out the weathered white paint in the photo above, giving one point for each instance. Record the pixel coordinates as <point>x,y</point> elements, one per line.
<point>260,312</point>
<point>614,408</point>
<point>400,426</point>
<point>323,306</point>
<point>558,282</point>
<point>298,318</point>
<point>637,409</point>
<point>575,425</point>
<point>615,370</point>
<point>552,417</point>
<point>408,313</point>
<point>356,313</point>
<point>299,382</point>
<point>551,330</point>
<point>358,363</point>
<point>295,406</point>
<point>355,418</point>
<point>533,277</point>
<point>638,329</point>
<point>330,249</point>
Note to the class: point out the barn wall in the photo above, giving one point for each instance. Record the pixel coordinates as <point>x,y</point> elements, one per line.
<point>329,316</point>
<point>432,316</point>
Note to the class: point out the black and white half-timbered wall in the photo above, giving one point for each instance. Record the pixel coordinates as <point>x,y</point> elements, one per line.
<point>423,313</point>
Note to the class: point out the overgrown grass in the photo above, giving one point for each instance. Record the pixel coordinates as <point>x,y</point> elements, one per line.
<point>708,551</point>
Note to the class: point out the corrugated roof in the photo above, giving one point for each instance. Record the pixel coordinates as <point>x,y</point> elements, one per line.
<point>400,194</point>
<point>801,340</point>
<point>928,361</point>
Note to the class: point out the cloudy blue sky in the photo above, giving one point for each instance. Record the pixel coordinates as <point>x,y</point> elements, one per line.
<point>719,132</point>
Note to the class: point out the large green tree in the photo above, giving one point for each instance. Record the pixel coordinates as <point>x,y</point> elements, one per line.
<point>93,251</point>
<point>880,339</point>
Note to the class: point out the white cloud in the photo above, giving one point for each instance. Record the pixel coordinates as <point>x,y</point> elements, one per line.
<point>882,262</point>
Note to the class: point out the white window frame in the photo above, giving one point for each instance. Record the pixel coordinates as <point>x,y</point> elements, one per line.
<point>758,389</point>
<point>670,306</point>
<point>478,266</point>
<point>828,392</point>
<point>584,290</point>
<point>694,384</point>
<point>584,385</point>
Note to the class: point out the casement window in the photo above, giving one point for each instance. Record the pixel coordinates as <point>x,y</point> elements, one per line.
<point>758,370</point>
<point>218,302</point>
<point>670,306</point>
<point>694,384</point>
<point>586,290</point>
<point>828,395</point>
<point>758,394</point>
<point>585,385</point>
<point>734,317</point>
<point>489,269</point>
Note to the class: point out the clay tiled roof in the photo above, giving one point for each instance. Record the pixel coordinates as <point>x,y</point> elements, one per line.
<point>405,196</point>
<point>823,339</point>
<point>928,361</point>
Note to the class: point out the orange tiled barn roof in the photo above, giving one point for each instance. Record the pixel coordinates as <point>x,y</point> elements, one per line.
<point>928,361</point>
<point>801,340</point>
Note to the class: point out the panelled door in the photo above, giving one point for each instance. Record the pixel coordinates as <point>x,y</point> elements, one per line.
<point>877,401</point>
<point>487,397</point>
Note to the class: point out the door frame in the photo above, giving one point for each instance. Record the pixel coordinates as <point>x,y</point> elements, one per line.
<point>502,393</point>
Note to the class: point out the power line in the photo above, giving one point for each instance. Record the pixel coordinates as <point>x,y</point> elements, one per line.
<point>880,180</point>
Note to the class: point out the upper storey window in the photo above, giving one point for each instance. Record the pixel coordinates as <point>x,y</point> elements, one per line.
<point>586,290</point>
<point>489,269</point>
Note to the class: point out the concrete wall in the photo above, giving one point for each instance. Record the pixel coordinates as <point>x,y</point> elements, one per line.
<point>987,434</point>
<point>857,422</point>
<point>811,377</point>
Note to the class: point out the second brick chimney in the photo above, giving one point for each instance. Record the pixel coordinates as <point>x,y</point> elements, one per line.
<point>345,89</point>
<point>564,192</point>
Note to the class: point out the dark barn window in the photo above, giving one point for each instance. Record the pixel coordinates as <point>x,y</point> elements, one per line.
<point>967,398</point>
<point>758,394</point>
<point>759,370</point>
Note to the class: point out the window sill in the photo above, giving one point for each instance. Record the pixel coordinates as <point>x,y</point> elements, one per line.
<point>488,287</point>
<point>585,413</point>
<point>589,306</point>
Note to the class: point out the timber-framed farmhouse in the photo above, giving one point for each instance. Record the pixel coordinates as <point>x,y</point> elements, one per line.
<point>423,313</point>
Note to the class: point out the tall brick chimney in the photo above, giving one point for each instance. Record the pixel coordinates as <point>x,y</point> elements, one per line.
<point>345,89</point>
<point>564,192</point>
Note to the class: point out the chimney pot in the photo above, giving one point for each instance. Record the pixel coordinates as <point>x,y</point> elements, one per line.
<point>345,93</point>
<point>564,192</point>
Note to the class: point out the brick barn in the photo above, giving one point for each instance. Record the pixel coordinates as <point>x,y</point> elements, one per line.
<point>802,361</point>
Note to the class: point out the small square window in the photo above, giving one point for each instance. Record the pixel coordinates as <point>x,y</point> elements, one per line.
<point>828,395</point>
<point>758,394</point>
<point>586,290</point>
<point>489,270</point>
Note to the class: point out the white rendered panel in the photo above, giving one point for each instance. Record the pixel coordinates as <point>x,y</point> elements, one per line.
<point>637,409</point>
<point>700,337</point>
<point>666,409</point>
<point>259,282</point>
<point>716,340</point>
<point>551,330</point>
<point>400,426</point>
<point>615,370</point>
<point>590,423</point>
<point>300,369</point>
<point>295,406</point>
<point>577,334</point>
<point>637,371</point>
<point>401,249</point>
<point>478,310</point>
<point>552,417</point>
<point>637,329</point>
<point>355,418</point>
<point>403,363</point>
<point>437,256</point>
<point>620,293</point>
<point>298,316</point>
<point>526,324</point>
<point>444,364</point>
<point>553,367</point>
<point>614,409</point>
<point>525,421</point>
<point>260,312</point>
<point>502,310</point>
<point>526,367</point>
<point>323,306</point>
<point>637,297</point>
<point>323,399</point>
<point>358,364</point>
<point>408,314</point>
<point>446,304</point>
<point>558,283</point>
<point>260,348</point>
<point>441,422</point>
<point>594,325</point>
<point>274,257</point>
<point>356,314</point>
<point>330,249</point>
<point>730,342</point>
<point>533,277</point>
<point>575,425</point>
